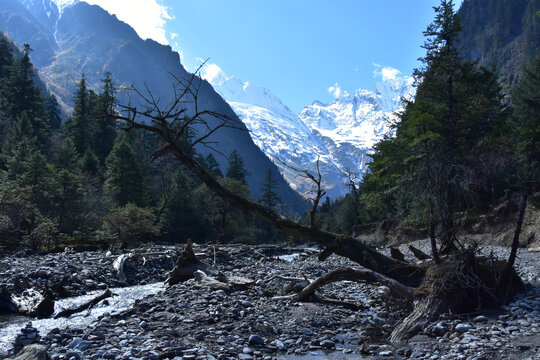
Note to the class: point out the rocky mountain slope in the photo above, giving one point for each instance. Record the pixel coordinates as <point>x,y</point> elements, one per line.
<point>340,134</point>
<point>85,39</point>
<point>501,33</point>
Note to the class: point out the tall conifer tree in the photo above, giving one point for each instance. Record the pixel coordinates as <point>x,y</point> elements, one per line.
<point>123,179</point>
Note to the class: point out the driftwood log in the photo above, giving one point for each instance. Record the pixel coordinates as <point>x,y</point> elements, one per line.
<point>396,289</point>
<point>86,306</point>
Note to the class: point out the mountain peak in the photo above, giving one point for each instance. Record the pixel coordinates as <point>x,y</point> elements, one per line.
<point>338,135</point>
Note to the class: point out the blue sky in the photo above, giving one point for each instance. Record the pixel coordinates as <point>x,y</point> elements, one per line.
<point>298,49</point>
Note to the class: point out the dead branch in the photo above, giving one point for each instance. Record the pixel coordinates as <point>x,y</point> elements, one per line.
<point>87,305</point>
<point>396,289</point>
<point>318,191</point>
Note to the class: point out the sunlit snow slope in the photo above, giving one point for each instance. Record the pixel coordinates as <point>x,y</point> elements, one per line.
<point>340,134</point>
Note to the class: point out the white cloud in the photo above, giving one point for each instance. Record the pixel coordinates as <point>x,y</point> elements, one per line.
<point>389,73</point>
<point>335,90</point>
<point>147,17</point>
<point>386,73</point>
<point>213,74</point>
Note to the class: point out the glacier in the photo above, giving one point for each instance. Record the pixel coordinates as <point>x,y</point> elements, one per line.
<point>339,136</point>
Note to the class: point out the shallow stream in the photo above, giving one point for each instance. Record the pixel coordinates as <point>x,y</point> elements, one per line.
<point>124,298</point>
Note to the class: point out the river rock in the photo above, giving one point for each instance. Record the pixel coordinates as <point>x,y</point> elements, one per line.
<point>480,319</point>
<point>439,329</point>
<point>255,340</point>
<point>463,328</point>
<point>327,344</point>
<point>33,352</point>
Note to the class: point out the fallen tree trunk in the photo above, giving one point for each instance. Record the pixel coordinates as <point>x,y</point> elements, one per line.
<point>87,305</point>
<point>396,289</point>
<point>342,245</point>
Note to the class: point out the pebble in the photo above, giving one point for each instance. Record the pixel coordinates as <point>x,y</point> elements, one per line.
<point>255,340</point>
<point>463,328</point>
<point>329,344</point>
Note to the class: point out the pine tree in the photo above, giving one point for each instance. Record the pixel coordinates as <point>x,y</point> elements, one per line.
<point>269,197</point>
<point>79,125</point>
<point>6,57</point>
<point>181,219</point>
<point>53,110</point>
<point>435,161</point>
<point>212,166</point>
<point>526,105</point>
<point>67,198</point>
<point>68,157</point>
<point>236,169</point>
<point>18,144</point>
<point>123,179</point>
<point>18,94</point>
<point>90,163</point>
<point>105,123</point>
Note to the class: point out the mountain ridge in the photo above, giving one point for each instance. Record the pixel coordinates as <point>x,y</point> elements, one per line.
<point>313,135</point>
<point>82,47</point>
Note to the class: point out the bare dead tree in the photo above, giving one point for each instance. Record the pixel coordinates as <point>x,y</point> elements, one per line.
<point>352,179</point>
<point>176,122</point>
<point>316,193</point>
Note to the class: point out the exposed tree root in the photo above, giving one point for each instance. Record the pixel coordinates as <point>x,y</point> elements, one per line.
<point>461,284</point>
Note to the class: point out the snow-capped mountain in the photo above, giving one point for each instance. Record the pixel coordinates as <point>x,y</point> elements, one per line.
<point>340,134</point>
<point>80,38</point>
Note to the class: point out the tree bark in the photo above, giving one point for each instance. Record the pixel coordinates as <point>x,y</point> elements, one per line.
<point>517,232</point>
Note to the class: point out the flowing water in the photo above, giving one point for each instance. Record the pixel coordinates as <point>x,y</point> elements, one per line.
<point>124,298</point>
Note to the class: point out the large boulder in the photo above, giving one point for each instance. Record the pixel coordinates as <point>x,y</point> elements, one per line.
<point>33,352</point>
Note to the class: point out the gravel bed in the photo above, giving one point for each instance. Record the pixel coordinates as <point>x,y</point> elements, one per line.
<point>189,322</point>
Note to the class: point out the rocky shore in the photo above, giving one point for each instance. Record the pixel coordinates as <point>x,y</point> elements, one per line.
<point>193,321</point>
